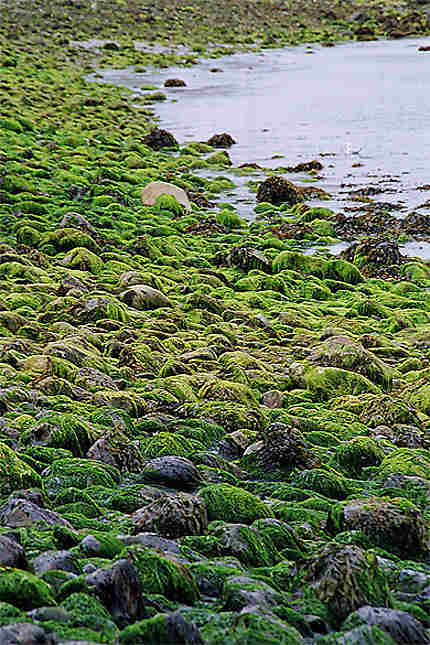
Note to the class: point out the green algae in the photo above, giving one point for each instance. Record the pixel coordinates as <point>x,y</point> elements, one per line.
<point>230,503</point>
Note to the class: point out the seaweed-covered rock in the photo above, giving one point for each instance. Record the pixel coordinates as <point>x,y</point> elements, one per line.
<point>15,473</point>
<point>12,553</point>
<point>79,473</point>
<point>327,382</point>
<point>161,574</point>
<point>17,512</point>
<point>401,626</point>
<point>229,503</point>
<point>115,449</point>
<point>345,578</point>
<point>223,140</point>
<point>159,138</point>
<point>118,588</point>
<point>245,543</point>
<point>162,629</point>
<point>276,190</point>
<point>396,525</point>
<point>343,352</point>
<point>358,453</point>
<point>24,590</point>
<point>173,516</point>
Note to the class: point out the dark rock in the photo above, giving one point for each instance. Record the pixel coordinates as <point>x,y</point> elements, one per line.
<point>240,592</point>
<point>158,139</point>
<point>62,560</point>
<point>344,578</point>
<point>393,524</point>
<point>17,513</point>
<point>222,140</point>
<point>283,447</point>
<point>246,258</point>
<point>277,190</point>
<point>175,472</point>
<point>173,516</point>
<point>174,82</point>
<point>401,626</point>
<point>12,554</point>
<point>306,166</point>
<point>118,588</point>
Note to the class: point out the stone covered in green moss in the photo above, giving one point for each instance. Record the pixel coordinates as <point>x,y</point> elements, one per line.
<point>14,472</point>
<point>24,590</point>
<point>232,504</point>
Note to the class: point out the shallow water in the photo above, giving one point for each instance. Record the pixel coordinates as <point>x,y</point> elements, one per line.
<point>362,109</point>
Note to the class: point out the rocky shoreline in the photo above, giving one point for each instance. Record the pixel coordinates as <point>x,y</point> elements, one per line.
<point>206,435</point>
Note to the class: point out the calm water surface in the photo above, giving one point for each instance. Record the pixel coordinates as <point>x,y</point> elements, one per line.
<point>362,109</point>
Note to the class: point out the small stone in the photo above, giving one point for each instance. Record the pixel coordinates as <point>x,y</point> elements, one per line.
<point>174,82</point>
<point>223,140</point>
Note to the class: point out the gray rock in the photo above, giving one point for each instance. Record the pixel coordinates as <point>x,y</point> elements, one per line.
<point>25,634</point>
<point>401,626</point>
<point>12,554</point>
<point>61,560</point>
<point>118,588</point>
<point>17,513</point>
<point>173,516</point>
<point>143,297</point>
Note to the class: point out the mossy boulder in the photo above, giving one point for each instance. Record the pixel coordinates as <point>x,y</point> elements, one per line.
<point>232,504</point>
<point>79,473</point>
<point>328,382</point>
<point>345,578</point>
<point>162,629</point>
<point>393,524</point>
<point>162,575</point>
<point>405,461</point>
<point>358,453</point>
<point>24,590</point>
<point>251,547</point>
<point>86,611</point>
<point>342,352</point>
<point>15,473</point>
<point>83,259</point>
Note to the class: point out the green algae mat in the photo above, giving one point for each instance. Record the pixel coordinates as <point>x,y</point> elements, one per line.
<point>206,435</point>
